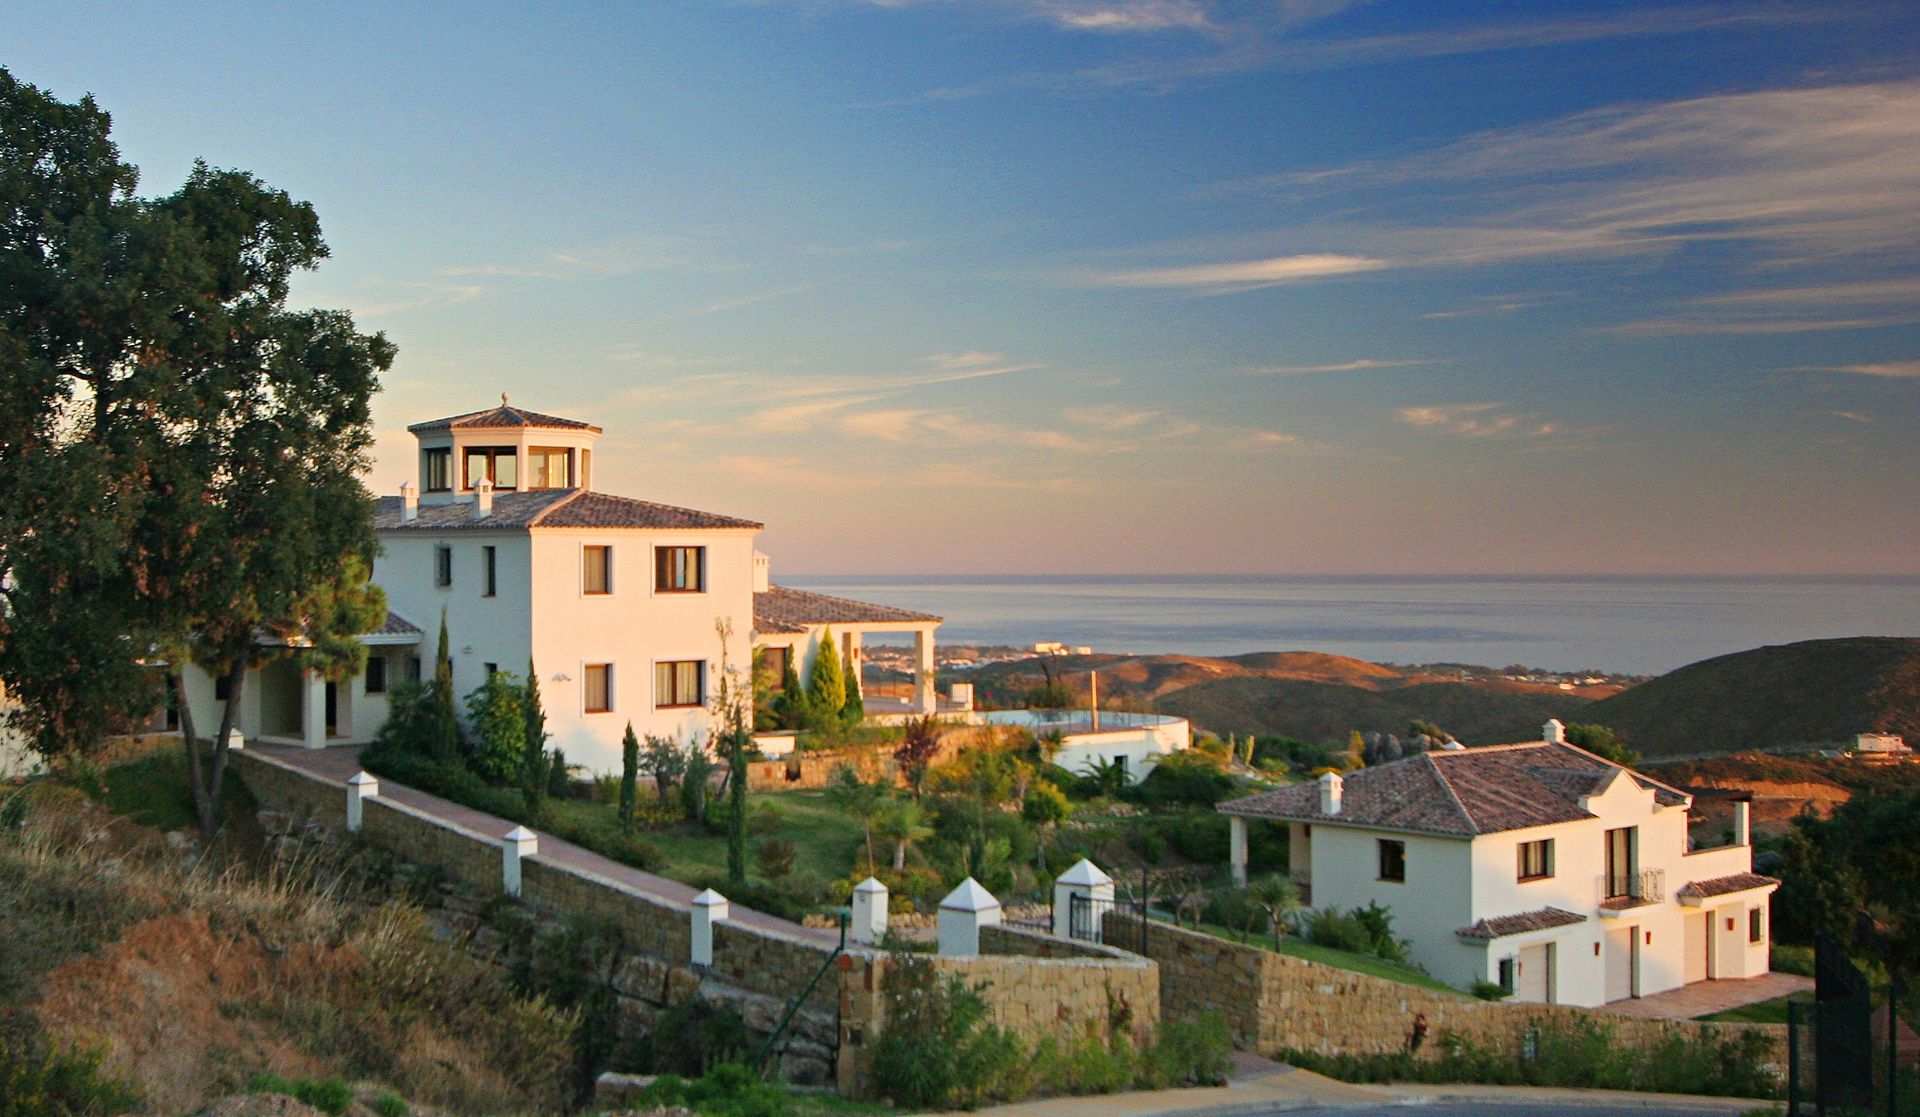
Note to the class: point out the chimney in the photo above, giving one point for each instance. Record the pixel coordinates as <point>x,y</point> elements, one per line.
<point>1742,828</point>
<point>483,499</point>
<point>409,501</point>
<point>1330,787</point>
<point>1553,732</point>
<point>762,572</point>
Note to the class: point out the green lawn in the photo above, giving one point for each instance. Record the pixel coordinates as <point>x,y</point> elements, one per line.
<point>827,842</point>
<point>1762,1012</point>
<point>1339,959</point>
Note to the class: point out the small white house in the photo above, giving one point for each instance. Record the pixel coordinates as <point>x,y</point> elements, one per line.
<point>614,601</point>
<point>1540,866</point>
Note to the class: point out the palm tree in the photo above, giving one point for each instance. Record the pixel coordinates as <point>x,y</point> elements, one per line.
<point>854,795</point>
<point>901,822</point>
<point>1279,897</point>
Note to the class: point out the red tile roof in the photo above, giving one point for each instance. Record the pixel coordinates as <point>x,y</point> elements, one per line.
<point>1459,793</point>
<point>1722,886</point>
<point>1500,926</point>
<point>788,610</point>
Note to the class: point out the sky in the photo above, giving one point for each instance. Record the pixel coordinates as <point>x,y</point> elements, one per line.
<point>1056,286</point>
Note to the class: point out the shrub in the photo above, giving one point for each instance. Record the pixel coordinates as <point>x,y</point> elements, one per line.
<point>37,1080</point>
<point>327,1095</point>
<point>1192,1052</point>
<point>1791,959</point>
<point>727,1090</point>
<point>498,712</point>
<point>693,1037</point>
<point>1367,930</point>
<point>390,1104</point>
<point>1183,779</point>
<point>1490,991</point>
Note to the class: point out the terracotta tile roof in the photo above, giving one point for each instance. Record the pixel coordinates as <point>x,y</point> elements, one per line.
<point>550,508</point>
<point>1500,926</point>
<point>590,509</point>
<point>1721,886</point>
<point>1459,793</point>
<point>788,610</point>
<point>396,625</point>
<point>502,416</point>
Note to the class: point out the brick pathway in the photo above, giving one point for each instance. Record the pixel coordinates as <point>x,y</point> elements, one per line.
<point>1703,997</point>
<point>337,765</point>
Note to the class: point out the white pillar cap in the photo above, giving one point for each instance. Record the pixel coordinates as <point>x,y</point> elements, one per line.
<point>970,896</point>
<point>361,779</point>
<point>871,884</point>
<point>709,899</point>
<point>1084,872</point>
<point>521,834</point>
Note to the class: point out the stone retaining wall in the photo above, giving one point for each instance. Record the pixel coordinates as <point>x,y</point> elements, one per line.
<point>1273,1002</point>
<point>1033,984</point>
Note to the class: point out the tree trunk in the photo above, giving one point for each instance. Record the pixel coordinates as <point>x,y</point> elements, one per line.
<point>900,855</point>
<point>176,679</point>
<point>206,791</point>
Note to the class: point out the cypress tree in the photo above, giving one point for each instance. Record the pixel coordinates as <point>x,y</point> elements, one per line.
<point>444,744</point>
<point>629,777</point>
<point>558,784</point>
<point>791,704</point>
<point>826,686</point>
<point>534,771</point>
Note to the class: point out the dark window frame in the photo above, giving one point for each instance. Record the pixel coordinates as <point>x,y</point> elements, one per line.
<point>1508,970</point>
<point>1535,860</point>
<point>490,570</point>
<point>605,552</point>
<point>443,566</point>
<point>670,575</point>
<point>545,455</point>
<point>1393,860</point>
<point>667,679</point>
<point>1756,925</point>
<point>492,455</point>
<point>376,674</point>
<point>436,470</point>
<point>606,688</point>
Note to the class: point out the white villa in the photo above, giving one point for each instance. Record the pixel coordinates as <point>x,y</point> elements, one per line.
<point>1540,866</point>
<point>614,601</point>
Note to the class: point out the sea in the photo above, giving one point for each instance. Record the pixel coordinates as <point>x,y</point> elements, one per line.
<point>1639,625</point>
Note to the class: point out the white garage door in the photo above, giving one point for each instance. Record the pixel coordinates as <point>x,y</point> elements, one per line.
<point>1620,964</point>
<point>1696,947</point>
<point>1530,984</point>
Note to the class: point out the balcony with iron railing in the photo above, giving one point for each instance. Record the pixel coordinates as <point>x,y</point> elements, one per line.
<point>1623,892</point>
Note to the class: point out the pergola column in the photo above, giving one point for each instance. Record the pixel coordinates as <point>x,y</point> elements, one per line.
<point>313,709</point>
<point>923,698</point>
<point>1237,848</point>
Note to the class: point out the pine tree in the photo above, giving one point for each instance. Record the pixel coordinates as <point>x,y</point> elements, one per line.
<point>855,710</point>
<point>629,777</point>
<point>826,686</point>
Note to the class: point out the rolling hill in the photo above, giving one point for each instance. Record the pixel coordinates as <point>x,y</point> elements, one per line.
<point>1809,693</point>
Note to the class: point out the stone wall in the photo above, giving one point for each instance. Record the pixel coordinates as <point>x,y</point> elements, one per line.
<point>1089,994</point>
<point>1273,1002</point>
<point>809,771</point>
<point>1033,984</point>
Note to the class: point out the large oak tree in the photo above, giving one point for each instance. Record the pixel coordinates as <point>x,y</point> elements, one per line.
<point>180,451</point>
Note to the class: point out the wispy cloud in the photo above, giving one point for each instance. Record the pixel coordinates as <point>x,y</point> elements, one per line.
<point>1476,420</point>
<point>595,262</point>
<point>1862,304</point>
<point>1360,365</point>
<point>1893,370</point>
<point>1240,275</point>
<point>1283,37</point>
<point>1852,416</point>
<point>377,297</point>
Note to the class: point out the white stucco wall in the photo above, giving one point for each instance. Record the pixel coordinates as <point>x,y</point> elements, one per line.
<point>1435,898</point>
<point>480,629</point>
<point>632,628</point>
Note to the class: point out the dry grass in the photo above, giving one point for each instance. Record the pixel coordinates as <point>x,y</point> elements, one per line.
<point>196,977</point>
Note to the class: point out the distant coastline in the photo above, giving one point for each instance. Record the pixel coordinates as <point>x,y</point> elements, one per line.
<point>1635,624</point>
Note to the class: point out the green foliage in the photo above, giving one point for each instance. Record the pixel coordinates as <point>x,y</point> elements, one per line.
<point>1784,958</point>
<point>1490,991</point>
<point>1367,930</point>
<point>497,710</point>
<point>789,705</point>
<point>390,1104</point>
<point>826,685</point>
<point>901,822</point>
<point>861,798</point>
<point>1107,778</point>
<point>1045,805</point>
<point>443,738</point>
<point>559,776</point>
<point>775,856</point>
<point>1182,779</point>
<point>1602,742</point>
<point>1297,756</point>
<point>533,770</point>
<point>696,773</point>
<point>665,762</point>
<point>629,777</point>
<point>38,1080</point>
<point>727,1090</point>
<point>938,1051</point>
<point>692,1037</point>
<point>1581,1051</point>
<point>329,1095</point>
